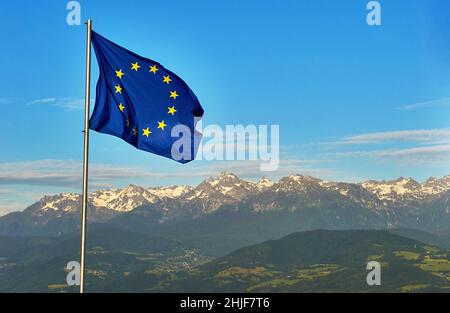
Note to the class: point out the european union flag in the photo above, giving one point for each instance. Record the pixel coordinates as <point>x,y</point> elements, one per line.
<point>143,103</point>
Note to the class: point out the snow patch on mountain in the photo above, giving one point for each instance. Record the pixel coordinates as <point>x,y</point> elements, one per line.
<point>405,189</point>
<point>65,201</point>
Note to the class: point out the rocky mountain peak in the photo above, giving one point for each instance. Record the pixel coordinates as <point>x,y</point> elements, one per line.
<point>297,183</point>
<point>66,202</point>
<point>435,185</point>
<point>303,179</point>
<point>223,178</point>
<point>226,184</point>
<point>395,190</point>
<point>265,182</point>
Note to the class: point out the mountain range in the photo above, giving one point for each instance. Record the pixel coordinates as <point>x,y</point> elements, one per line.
<point>401,203</point>
<point>229,188</point>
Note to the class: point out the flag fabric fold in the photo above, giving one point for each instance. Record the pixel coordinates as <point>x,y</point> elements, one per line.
<point>143,103</point>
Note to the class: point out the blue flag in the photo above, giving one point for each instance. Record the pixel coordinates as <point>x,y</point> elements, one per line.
<point>143,103</point>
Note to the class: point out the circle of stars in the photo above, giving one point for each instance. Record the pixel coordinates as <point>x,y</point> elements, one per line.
<point>166,79</point>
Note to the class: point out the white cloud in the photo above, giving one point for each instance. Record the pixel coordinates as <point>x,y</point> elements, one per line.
<point>421,146</point>
<point>441,102</point>
<point>421,135</point>
<point>421,151</point>
<point>416,151</point>
<point>69,103</point>
<point>5,191</point>
<point>68,173</point>
<point>63,173</point>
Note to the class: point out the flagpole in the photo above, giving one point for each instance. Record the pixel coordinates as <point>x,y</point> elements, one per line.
<point>87,98</point>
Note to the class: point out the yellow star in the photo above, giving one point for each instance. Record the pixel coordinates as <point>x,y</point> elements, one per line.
<point>135,131</point>
<point>173,94</point>
<point>154,69</point>
<point>119,73</point>
<point>118,89</point>
<point>161,125</point>
<point>167,79</point>
<point>121,107</point>
<point>172,110</point>
<point>146,132</point>
<point>135,66</point>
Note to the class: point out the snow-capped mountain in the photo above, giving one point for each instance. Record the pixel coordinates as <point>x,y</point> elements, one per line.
<point>66,202</point>
<point>402,189</point>
<point>214,192</point>
<point>435,185</point>
<point>297,183</point>
<point>227,188</point>
<point>402,202</point>
<point>131,197</point>
<point>118,200</point>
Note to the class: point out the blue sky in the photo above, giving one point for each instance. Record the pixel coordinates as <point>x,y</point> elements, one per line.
<point>353,102</point>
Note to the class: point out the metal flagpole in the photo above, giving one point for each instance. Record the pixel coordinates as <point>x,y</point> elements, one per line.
<point>86,154</point>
